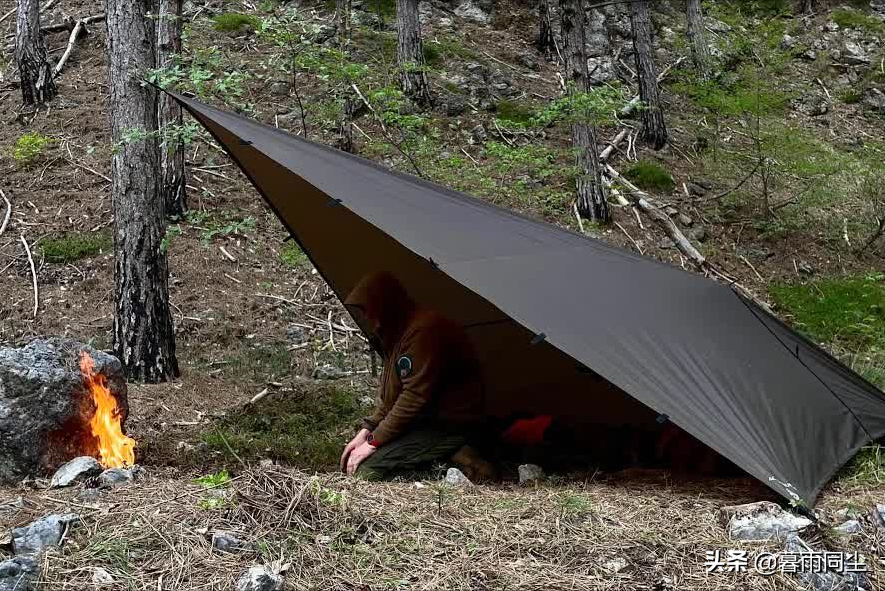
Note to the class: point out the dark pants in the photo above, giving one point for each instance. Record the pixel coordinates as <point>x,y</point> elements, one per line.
<point>414,451</point>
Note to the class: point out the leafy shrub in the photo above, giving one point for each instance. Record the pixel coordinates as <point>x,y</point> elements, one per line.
<point>650,176</point>
<point>854,19</point>
<point>73,247</point>
<point>514,112</point>
<point>851,96</point>
<point>293,257</point>
<point>29,147</point>
<point>231,22</point>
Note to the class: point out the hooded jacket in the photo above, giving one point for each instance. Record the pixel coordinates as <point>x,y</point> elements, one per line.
<point>430,371</point>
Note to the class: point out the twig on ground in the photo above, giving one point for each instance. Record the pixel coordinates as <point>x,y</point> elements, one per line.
<point>472,159</point>
<point>86,168</point>
<point>8,212</point>
<point>749,264</point>
<point>72,40</point>
<point>228,255</point>
<point>33,274</point>
<point>627,234</point>
<point>261,395</point>
<point>578,217</point>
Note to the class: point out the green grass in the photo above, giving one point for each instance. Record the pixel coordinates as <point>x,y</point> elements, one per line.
<point>308,430</point>
<point>867,467</point>
<point>231,22</point>
<point>850,96</point>
<point>68,248</point>
<point>293,257</point>
<point>846,312</point>
<point>854,19</point>
<point>650,177</point>
<point>30,147</point>
<point>515,112</point>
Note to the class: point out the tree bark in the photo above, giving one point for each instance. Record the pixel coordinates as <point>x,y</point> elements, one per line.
<point>410,52</point>
<point>38,85</point>
<point>174,182</point>
<point>654,129</point>
<point>345,126</point>
<point>144,338</point>
<point>592,199</point>
<point>545,42</point>
<point>697,39</point>
<point>342,13</point>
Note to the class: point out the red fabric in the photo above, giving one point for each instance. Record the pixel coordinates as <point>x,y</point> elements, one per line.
<point>527,432</point>
<point>373,442</point>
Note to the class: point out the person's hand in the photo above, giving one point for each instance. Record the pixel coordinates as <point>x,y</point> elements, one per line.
<point>358,455</point>
<point>354,443</point>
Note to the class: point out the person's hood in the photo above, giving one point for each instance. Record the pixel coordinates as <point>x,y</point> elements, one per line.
<point>382,307</point>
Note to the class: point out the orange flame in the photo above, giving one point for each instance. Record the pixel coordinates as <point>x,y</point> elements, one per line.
<point>116,450</point>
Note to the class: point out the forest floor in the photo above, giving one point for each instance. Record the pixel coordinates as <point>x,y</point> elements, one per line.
<point>233,278</point>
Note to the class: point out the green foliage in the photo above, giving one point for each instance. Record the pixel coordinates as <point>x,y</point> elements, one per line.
<point>536,161</point>
<point>231,22</point>
<point>846,312</point>
<point>850,18</point>
<point>306,430</point>
<point>217,479</point>
<point>30,147</point>
<point>394,108</point>
<point>68,248</point>
<point>867,467</point>
<point>514,112</point>
<point>383,8</point>
<point>293,257</point>
<point>228,227</point>
<point>851,96</point>
<point>747,91</point>
<point>596,107</point>
<point>650,176</point>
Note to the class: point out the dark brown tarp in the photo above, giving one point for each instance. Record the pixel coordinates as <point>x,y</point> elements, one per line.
<point>556,315</point>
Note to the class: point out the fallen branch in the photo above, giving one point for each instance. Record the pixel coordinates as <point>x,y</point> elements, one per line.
<point>72,40</point>
<point>613,144</point>
<point>229,256</point>
<point>33,274</point>
<point>879,231</point>
<point>627,234</point>
<point>8,212</point>
<point>645,203</point>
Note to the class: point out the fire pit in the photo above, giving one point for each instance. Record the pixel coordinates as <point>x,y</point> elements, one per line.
<point>60,399</point>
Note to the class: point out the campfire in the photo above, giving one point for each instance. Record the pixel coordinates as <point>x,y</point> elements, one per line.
<point>115,449</point>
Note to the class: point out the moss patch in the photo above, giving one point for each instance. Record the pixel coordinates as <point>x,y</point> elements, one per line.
<point>293,257</point>
<point>305,429</point>
<point>846,312</point>
<point>650,177</point>
<point>72,247</point>
<point>514,112</point>
<point>231,22</point>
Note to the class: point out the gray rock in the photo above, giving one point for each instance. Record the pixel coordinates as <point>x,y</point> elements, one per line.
<point>805,267</point>
<point>295,335</point>
<point>601,70</point>
<point>809,55</point>
<point>17,574</point>
<point>852,526</point>
<point>698,233</point>
<point>41,534</point>
<point>328,371</point>
<point>879,515</point>
<point>116,476</point>
<point>45,408</point>
<point>615,565</point>
<point>227,542</point>
<point>855,55</point>
<point>101,577</point>
<point>11,506</point>
<point>530,474</point>
<point>77,470</point>
<point>454,477</point>
<point>453,105</point>
<point>479,134</point>
<point>696,189</point>
<point>788,42</point>
<point>469,10</point>
<point>813,105</point>
<point>828,580</point>
<point>685,219</point>
<point>665,243</point>
<point>425,13</point>
<point>280,88</point>
<point>831,27</point>
<point>528,59</point>
<point>671,211</point>
<point>760,521</point>
<point>260,578</point>
<point>716,26</point>
<point>874,101</point>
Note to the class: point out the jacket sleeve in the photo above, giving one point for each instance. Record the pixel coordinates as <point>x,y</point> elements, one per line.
<point>425,355</point>
<point>372,421</point>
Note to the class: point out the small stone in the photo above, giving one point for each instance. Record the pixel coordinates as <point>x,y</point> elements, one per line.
<point>185,447</point>
<point>716,26</point>
<point>823,580</point>
<point>696,189</point>
<point>260,578</point>
<point>16,574</point>
<point>855,55</point>
<point>531,474</point>
<point>101,577</point>
<point>831,27</point>
<point>11,506</point>
<point>698,234</point>
<point>852,526</point>
<point>665,243</point>
<point>116,476</point>
<point>479,134</point>
<point>805,267</point>
<point>41,534</point>
<point>788,42</point>
<point>809,55</point>
<point>329,372</point>
<point>615,565</point>
<point>671,211</point>
<point>454,105</point>
<point>266,463</point>
<point>879,515</point>
<point>760,521</point>
<point>874,100</point>
<point>295,335</point>
<point>527,59</point>
<point>76,470</point>
<point>227,542</point>
<point>685,220</point>
<point>367,400</point>
<point>279,88</point>
<point>470,11</point>
<point>454,477</point>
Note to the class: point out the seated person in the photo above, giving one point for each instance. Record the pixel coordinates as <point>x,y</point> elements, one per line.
<point>431,405</point>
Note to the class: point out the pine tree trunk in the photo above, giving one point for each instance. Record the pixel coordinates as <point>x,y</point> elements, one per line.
<point>342,12</point>
<point>174,184</point>
<point>697,39</point>
<point>545,43</point>
<point>410,52</point>
<point>654,129</point>
<point>144,339</point>
<point>345,126</point>
<point>591,194</point>
<point>38,85</point>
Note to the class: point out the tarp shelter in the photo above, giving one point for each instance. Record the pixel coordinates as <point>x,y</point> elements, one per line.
<point>551,311</point>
